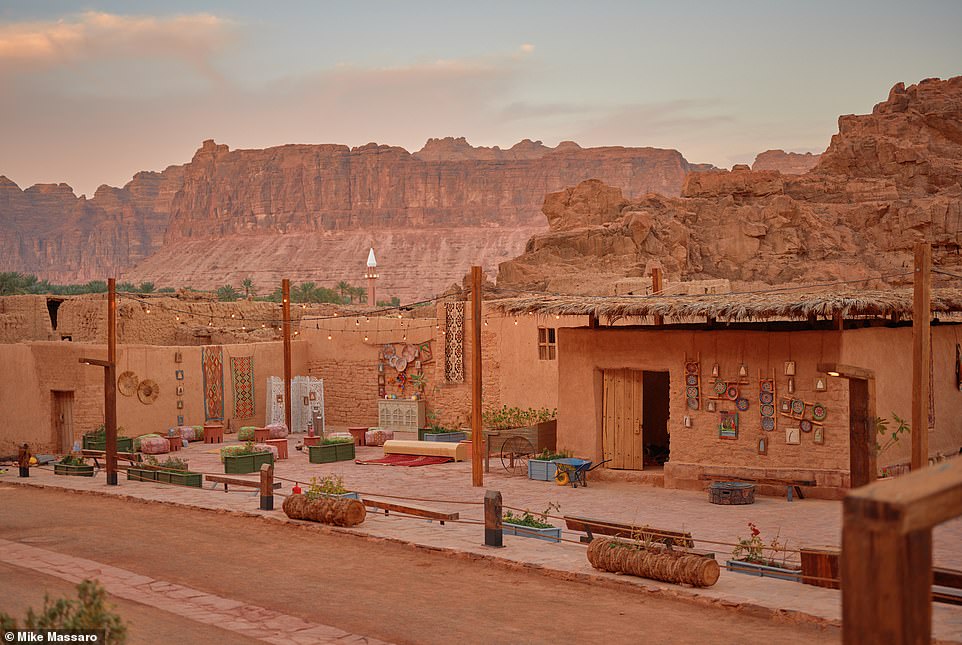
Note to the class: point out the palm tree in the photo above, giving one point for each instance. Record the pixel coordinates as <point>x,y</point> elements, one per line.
<point>227,293</point>
<point>248,286</point>
<point>146,287</point>
<point>360,293</point>
<point>343,288</point>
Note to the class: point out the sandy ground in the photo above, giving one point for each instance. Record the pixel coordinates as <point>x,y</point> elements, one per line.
<point>364,586</point>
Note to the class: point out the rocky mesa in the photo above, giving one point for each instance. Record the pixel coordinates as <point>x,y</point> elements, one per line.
<point>887,180</point>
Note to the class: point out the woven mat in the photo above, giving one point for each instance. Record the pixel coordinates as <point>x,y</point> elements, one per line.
<point>405,460</point>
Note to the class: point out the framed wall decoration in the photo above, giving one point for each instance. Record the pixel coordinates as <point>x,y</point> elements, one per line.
<point>179,375</point>
<point>180,404</point>
<point>280,398</point>
<point>710,405</point>
<point>821,384</point>
<point>789,368</point>
<point>727,425</point>
<point>307,401</point>
<point>818,435</point>
<point>180,419</point>
<point>178,357</point>
<point>180,390</point>
<point>763,445</point>
<point>793,436</point>
<point>312,395</point>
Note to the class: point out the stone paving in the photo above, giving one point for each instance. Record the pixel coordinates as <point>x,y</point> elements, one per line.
<point>250,620</point>
<point>448,487</point>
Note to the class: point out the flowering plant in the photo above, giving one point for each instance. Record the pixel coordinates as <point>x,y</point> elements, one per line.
<point>754,549</point>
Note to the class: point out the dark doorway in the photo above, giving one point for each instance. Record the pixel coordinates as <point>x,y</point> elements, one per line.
<point>52,307</point>
<point>655,386</point>
<point>861,434</point>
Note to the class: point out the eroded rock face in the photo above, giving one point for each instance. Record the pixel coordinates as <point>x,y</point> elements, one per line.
<point>787,163</point>
<point>311,211</point>
<point>887,180</point>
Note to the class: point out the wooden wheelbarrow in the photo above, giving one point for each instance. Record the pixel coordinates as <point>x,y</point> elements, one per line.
<point>574,471</point>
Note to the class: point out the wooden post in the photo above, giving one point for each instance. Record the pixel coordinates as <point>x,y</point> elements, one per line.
<point>286,327</point>
<point>921,356</point>
<point>110,384</point>
<point>656,288</point>
<point>477,440</point>
<point>492,519</point>
<point>267,487</point>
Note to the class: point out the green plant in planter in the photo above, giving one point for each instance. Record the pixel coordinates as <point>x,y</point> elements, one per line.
<point>70,459</point>
<point>328,485</point>
<point>238,451</point>
<point>535,521</point>
<point>170,463</point>
<point>505,417</point>
<point>753,549</point>
<point>332,440</point>
<point>549,455</point>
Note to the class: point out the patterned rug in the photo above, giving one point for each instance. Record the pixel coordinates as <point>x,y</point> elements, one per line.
<point>212,364</point>
<point>454,342</point>
<point>405,460</point>
<point>242,383</point>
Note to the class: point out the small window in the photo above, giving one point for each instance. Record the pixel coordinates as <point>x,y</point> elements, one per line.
<point>547,345</point>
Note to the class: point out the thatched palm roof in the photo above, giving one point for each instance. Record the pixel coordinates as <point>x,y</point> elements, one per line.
<point>732,307</point>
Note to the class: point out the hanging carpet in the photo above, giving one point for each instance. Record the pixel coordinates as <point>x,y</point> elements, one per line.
<point>242,384</point>
<point>212,365</point>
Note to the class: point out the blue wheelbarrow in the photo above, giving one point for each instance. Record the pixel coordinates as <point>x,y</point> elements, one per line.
<point>574,471</point>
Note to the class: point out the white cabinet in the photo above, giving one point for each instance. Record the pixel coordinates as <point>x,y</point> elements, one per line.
<point>400,414</point>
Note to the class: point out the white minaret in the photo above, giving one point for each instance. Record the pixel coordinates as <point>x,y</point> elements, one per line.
<point>371,275</point>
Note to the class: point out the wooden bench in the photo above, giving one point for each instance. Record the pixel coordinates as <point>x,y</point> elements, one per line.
<point>789,484</point>
<point>235,481</point>
<point>617,529</point>
<point>430,514</point>
<point>96,455</point>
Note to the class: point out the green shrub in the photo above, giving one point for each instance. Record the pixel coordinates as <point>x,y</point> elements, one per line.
<point>88,612</point>
<point>328,485</point>
<point>505,417</point>
<point>539,521</point>
<point>237,451</point>
<point>330,440</point>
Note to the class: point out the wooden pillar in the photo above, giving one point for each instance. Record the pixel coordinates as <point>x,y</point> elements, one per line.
<point>477,440</point>
<point>267,487</point>
<point>286,326</point>
<point>110,384</point>
<point>921,356</point>
<point>493,535</point>
<point>592,321</point>
<point>656,288</point>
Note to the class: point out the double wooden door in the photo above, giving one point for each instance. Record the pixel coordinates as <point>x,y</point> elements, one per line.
<point>622,426</point>
<point>61,420</point>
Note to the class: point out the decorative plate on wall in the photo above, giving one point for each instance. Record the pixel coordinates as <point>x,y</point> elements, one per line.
<point>148,391</point>
<point>741,403</point>
<point>691,379</point>
<point>692,392</point>
<point>805,425</point>
<point>768,410</point>
<point>127,383</point>
<point>731,392</point>
<point>691,367</point>
<point>768,424</point>
<point>767,386</point>
<point>798,406</point>
<point>720,387</point>
<point>693,404</point>
<point>819,412</point>
<point>766,397</point>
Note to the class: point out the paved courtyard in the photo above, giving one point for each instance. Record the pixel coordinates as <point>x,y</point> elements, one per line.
<point>448,487</point>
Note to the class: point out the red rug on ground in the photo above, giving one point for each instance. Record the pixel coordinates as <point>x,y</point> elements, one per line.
<point>405,460</point>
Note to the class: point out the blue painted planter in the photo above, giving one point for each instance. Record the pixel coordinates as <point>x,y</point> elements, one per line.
<point>541,470</point>
<point>764,571</point>
<point>453,437</point>
<point>552,534</point>
<point>347,495</point>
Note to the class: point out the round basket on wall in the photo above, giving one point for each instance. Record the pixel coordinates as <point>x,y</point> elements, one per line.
<point>127,383</point>
<point>148,391</point>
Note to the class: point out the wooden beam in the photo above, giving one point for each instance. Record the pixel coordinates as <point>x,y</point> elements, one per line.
<point>656,288</point>
<point>845,371</point>
<point>493,526</point>
<point>286,330</point>
<point>477,440</point>
<point>267,487</point>
<point>592,321</point>
<point>110,384</point>
<point>921,355</point>
<point>95,361</point>
<point>442,516</point>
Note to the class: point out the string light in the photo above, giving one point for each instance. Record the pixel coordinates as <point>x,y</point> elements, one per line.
<point>365,338</point>
<point>148,309</point>
<point>330,337</point>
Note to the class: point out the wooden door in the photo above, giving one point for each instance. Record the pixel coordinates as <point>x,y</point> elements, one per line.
<point>622,419</point>
<point>861,434</point>
<point>62,420</point>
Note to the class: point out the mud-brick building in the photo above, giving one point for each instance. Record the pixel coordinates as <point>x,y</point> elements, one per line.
<point>777,385</point>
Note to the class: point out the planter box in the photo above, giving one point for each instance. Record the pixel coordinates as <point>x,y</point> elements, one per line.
<point>76,471</point>
<point>552,534</point>
<point>330,452</point>
<point>453,437</point>
<point>124,444</point>
<point>141,475</point>
<point>764,571</point>
<point>541,470</point>
<point>542,435</point>
<point>347,495</point>
<point>241,464</point>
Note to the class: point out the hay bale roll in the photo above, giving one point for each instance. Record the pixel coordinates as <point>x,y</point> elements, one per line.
<point>621,556</point>
<point>327,510</point>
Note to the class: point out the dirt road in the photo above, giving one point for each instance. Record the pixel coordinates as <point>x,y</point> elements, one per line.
<point>379,589</point>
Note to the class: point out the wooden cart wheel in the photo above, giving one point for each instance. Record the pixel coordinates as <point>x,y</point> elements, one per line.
<point>515,452</point>
<point>561,477</point>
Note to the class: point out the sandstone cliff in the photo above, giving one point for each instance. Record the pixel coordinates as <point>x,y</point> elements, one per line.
<point>887,180</point>
<point>787,163</point>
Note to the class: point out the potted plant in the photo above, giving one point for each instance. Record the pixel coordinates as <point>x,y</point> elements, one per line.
<point>170,471</point>
<point>532,526</point>
<point>418,381</point>
<point>542,467</point>
<point>332,449</point>
<point>436,431</point>
<point>329,486</point>
<point>244,459</point>
<point>753,557</point>
<point>75,465</point>
<point>97,440</point>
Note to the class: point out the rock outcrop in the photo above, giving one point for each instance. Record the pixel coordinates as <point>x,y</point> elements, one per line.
<point>886,181</point>
<point>787,163</point>
<point>309,212</point>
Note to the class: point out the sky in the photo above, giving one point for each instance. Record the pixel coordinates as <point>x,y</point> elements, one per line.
<point>91,93</point>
